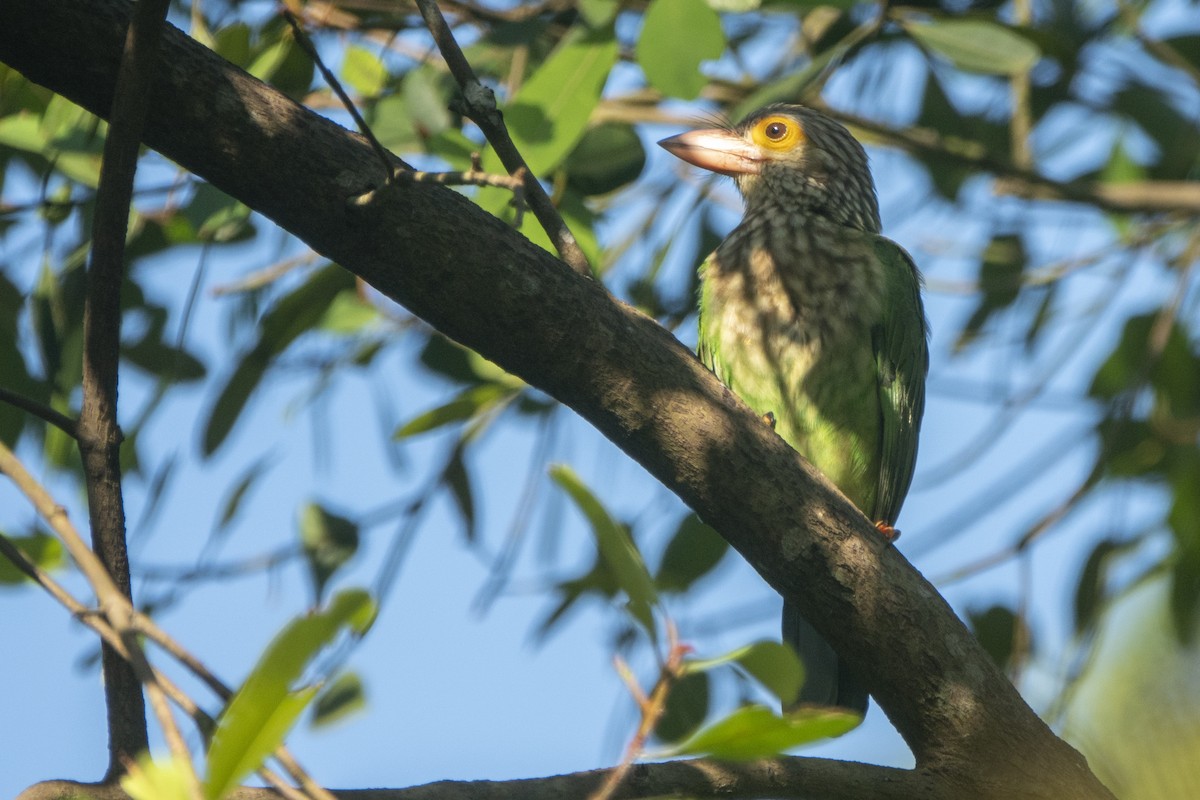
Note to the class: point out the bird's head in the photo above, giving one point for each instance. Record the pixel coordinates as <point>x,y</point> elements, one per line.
<point>789,158</point>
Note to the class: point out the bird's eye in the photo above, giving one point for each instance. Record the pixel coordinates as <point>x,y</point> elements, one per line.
<point>777,132</point>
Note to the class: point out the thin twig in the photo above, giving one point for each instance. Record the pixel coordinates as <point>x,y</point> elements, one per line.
<point>479,103</point>
<point>307,46</point>
<point>119,623</point>
<point>475,176</point>
<point>43,412</point>
<point>650,709</point>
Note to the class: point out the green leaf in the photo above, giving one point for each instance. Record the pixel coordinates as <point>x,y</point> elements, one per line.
<point>262,711</point>
<point>294,314</point>
<point>609,156</point>
<point>364,70</point>
<point>448,358</point>
<point>998,629</point>
<point>598,13</point>
<point>976,45</point>
<point>1000,278</point>
<point>471,401</point>
<point>348,314</point>
<point>548,115</point>
<point>458,480</point>
<point>773,664</point>
<point>677,35</point>
<point>687,706</point>
<point>329,541</point>
<point>234,498</point>
<point>339,700</point>
<point>216,217</point>
<point>693,552</point>
<point>1090,591</point>
<point>616,547</point>
<point>148,779</point>
<point>757,732</point>
<point>42,549</point>
<point>426,99</point>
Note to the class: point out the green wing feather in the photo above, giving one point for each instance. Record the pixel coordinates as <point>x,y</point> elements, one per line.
<point>902,362</point>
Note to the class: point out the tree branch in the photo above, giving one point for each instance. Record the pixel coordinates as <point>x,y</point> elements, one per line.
<point>99,435</point>
<point>794,778</point>
<point>481,283</point>
<point>43,412</point>
<point>481,107</point>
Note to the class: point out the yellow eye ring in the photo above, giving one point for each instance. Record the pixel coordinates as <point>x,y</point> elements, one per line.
<point>777,133</point>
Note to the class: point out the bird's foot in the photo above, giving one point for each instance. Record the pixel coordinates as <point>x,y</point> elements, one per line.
<point>889,533</point>
<point>769,419</point>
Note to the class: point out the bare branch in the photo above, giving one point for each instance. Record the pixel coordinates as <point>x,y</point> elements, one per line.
<point>43,412</point>
<point>480,106</point>
<point>306,45</point>
<point>99,434</point>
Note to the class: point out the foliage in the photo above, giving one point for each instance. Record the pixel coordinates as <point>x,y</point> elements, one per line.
<point>1021,153</point>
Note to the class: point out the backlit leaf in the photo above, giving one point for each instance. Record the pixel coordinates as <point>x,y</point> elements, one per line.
<point>677,36</point>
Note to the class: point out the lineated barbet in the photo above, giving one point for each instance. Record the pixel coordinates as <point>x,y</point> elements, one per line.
<point>815,321</point>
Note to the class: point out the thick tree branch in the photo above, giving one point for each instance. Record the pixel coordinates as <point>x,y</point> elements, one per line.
<point>791,778</point>
<point>479,282</point>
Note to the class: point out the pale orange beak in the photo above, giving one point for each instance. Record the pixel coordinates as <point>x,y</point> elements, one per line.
<point>716,150</point>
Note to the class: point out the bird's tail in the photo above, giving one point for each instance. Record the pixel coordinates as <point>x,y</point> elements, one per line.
<point>827,682</point>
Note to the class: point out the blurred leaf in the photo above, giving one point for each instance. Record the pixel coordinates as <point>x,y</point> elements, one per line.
<point>237,494</point>
<point>1090,591</point>
<point>42,549</point>
<point>694,551</point>
<point>1173,373</point>
<point>616,547</point>
<point>1185,596</point>
<point>1184,522</point>
<point>609,156</point>
<point>773,664</point>
<point>164,361</point>
<point>329,541</point>
<point>348,314</point>
<point>548,115</point>
<point>458,480</point>
<point>339,700</point>
<point>1187,46</point>
<point>996,628</point>
<point>364,71</point>
<point>16,375</point>
<point>294,314</point>
<point>755,731</point>
<point>1134,711</point>
<point>599,579</point>
<point>1121,168</point>
<point>216,217</point>
<point>1171,130</point>
<point>391,122</point>
<point>598,13</point>
<point>468,403</point>
<point>687,706</point>
<point>1000,273</point>
<point>233,43</point>
<point>259,715</point>
<point>427,97</point>
<point>677,36</point>
<point>165,779</point>
<point>447,357</point>
<point>976,45</point>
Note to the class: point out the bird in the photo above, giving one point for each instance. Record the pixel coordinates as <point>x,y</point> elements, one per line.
<point>815,321</point>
